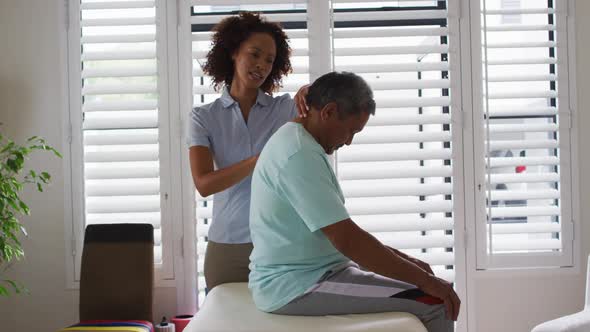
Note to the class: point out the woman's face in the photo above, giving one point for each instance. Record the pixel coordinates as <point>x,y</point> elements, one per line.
<point>253,60</point>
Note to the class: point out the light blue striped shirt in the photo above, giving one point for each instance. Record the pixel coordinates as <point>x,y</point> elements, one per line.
<point>220,126</point>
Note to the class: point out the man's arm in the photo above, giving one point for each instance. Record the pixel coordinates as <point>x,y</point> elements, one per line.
<point>364,249</point>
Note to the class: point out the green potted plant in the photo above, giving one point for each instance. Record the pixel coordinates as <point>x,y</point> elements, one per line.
<point>13,178</point>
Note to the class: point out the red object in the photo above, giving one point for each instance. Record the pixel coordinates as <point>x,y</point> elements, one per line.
<point>181,321</point>
<point>520,169</point>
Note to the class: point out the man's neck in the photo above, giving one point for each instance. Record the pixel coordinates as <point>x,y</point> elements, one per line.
<point>311,127</point>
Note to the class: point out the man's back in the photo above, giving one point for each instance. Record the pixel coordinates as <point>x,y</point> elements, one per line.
<point>294,194</point>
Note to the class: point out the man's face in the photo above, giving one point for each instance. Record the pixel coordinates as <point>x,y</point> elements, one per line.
<point>336,131</point>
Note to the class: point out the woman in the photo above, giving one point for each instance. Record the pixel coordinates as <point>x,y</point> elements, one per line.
<point>248,58</point>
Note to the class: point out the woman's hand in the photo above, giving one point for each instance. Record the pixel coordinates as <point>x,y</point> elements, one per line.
<point>302,108</point>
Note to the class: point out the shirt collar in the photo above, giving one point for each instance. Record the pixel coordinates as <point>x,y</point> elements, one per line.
<point>263,99</point>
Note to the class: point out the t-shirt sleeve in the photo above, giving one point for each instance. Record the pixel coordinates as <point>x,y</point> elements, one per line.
<point>308,184</point>
<point>198,133</point>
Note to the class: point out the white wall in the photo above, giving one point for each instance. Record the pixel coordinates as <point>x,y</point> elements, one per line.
<point>31,102</point>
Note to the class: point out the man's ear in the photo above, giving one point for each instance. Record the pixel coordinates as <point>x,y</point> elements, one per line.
<point>329,111</point>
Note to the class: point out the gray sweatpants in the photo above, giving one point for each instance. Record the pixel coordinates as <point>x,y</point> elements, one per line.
<point>350,290</point>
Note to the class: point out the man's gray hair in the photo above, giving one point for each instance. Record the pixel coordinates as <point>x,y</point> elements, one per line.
<point>349,91</point>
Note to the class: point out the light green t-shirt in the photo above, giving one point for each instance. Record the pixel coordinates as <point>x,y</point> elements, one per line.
<point>294,194</point>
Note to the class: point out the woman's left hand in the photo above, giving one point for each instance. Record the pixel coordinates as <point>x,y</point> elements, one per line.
<point>302,108</point>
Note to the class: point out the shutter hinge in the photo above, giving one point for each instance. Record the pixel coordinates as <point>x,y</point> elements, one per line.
<point>570,118</point>
<point>70,133</point>
<point>178,6</point>
<point>67,14</point>
<point>465,237</point>
<point>573,231</point>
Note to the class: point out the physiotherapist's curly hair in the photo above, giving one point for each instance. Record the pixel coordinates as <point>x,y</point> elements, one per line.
<point>229,34</point>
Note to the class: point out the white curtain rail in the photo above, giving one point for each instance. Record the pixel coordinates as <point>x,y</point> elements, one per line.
<point>125,187</point>
<point>117,5</point>
<point>523,178</point>
<point>125,21</point>
<point>384,32</point>
<point>120,204</point>
<point>121,170</point>
<point>390,50</point>
<point>351,171</point>
<point>119,105</point>
<point>121,137</point>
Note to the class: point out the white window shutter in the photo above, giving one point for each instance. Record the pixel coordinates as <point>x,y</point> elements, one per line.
<point>120,117</point>
<point>526,136</point>
<point>204,15</point>
<point>397,176</point>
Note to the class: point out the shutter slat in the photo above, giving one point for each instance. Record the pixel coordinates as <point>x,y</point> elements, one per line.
<point>413,102</point>
<point>119,55</point>
<point>523,128</point>
<point>388,50</point>
<point>521,27</point>
<point>120,204</point>
<point>523,111</point>
<point>372,33</point>
<point>238,2</point>
<point>120,71</point>
<point>126,187</point>
<point>389,117</point>
<point>119,105</point>
<point>528,144</point>
<point>511,212</point>
<point>105,89</point>
<point>522,78</point>
<point>116,5</point>
<point>271,17</point>
<point>521,61</point>
<point>524,194</point>
<point>356,207</point>
<point>121,120</point>
<point>139,153</point>
<point>124,218</point>
<point>415,242</point>
<point>396,67</point>
<point>390,15</point>
<point>377,188</point>
<point>130,38</point>
<point>525,228</point>
<point>408,84</point>
<point>520,11</point>
<point>529,245</point>
<point>350,171</point>
<point>126,21</point>
<point>367,137</point>
<point>121,137</point>
<point>524,178</point>
<point>524,161</point>
<point>141,169</point>
<point>394,223</point>
<point>524,94</point>
<point>425,154</point>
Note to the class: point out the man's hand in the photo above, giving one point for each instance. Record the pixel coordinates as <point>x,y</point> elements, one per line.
<point>443,290</point>
<point>302,108</point>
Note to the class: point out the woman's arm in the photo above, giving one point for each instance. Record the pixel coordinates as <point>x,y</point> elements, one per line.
<point>209,181</point>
